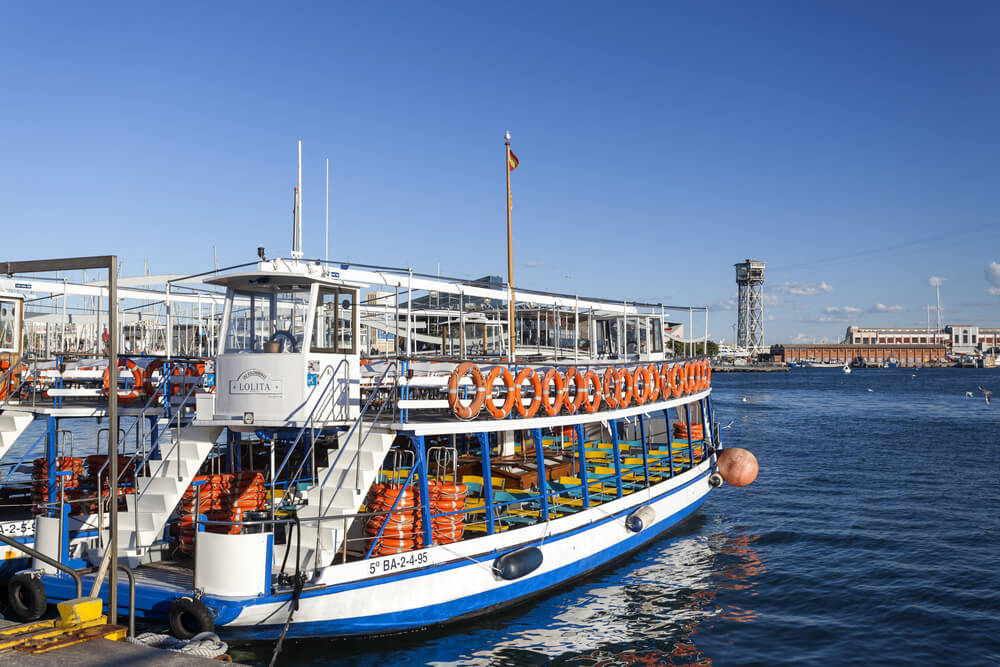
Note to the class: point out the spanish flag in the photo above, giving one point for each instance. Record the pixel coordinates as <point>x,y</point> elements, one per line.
<point>511,161</point>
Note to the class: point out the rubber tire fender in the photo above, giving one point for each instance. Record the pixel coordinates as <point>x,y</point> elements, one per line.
<point>189,617</point>
<point>27,598</point>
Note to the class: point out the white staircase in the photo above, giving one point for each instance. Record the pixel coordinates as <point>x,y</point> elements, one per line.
<point>339,493</point>
<point>158,494</point>
<point>12,425</point>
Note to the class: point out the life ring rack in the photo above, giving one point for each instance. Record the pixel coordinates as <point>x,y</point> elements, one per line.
<point>615,388</point>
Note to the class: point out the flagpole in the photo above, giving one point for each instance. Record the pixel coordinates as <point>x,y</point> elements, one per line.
<point>510,260</point>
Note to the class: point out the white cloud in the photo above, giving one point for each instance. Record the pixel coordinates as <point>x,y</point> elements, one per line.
<point>882,308</point>
<point>841,310</point>
<point>802,289</point>
<point>935,281</point>
<point>993,278</point>
<point>800,338</point>
<point>533,265</point>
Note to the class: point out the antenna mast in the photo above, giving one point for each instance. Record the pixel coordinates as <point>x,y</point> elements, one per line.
<point>297,224</point>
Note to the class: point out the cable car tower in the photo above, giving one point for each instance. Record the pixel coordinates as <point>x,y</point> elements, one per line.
<point>750,318</point>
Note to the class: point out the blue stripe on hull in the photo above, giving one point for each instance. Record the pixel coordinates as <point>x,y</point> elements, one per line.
<point>466,607</point>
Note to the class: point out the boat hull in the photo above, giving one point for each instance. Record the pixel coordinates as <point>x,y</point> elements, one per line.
<point>464,586</point>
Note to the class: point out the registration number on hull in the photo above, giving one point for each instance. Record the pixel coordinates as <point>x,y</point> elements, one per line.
<point>397,563</point>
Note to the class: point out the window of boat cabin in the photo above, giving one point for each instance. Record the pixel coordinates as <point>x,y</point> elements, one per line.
<point>9,321</point>
<point>276,315</point>
<point>336,313</point>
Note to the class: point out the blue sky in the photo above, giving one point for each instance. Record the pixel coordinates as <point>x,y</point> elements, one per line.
<point>854,147</point>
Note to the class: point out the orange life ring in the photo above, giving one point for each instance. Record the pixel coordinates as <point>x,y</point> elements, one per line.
<point>576,377</point>
<point>508,380</point>
<point>592,379</point>
<point>707,375</point>
<point>473,408</point>
<point>691,368</point>
<point>552,408</point>
<point>666,381</point>
<point>679,379</point>
<point>641,373</point>
<point>654,383</point>
<point>153,366</point>
<point>137,381</point>
<point>625,388</point>
<point>610,388</point>
<point>531,376</point>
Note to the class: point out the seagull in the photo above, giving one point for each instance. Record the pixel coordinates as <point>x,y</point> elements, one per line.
<point>968,394</point>
<point>729,425</point>
<point>987,392</point>
<point>914,375</point>
<point>744,399</point>
<point>869,388</point>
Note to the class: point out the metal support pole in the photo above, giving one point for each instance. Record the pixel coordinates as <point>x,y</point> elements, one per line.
<point>484,449</point>
<point>113,436</point>
<point>536,434</point>
<point>581,447</point>
<point>613,426</point>
<point>645,447</point>
<point>425,491</point>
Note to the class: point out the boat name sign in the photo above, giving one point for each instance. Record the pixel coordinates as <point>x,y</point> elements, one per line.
<point>254,381</point>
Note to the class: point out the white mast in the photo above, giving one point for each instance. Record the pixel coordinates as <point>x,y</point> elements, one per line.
<point>297,229</point>
<point>327,255</point>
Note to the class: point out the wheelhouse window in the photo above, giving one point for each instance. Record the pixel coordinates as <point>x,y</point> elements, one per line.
<point>336,313</point>
<point>267,320</point>
<point>9,325</point>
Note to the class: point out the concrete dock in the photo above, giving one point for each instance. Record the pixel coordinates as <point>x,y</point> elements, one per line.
<point>100,653</point>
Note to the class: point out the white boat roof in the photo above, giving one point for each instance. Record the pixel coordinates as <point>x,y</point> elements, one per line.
<point>291,273</point>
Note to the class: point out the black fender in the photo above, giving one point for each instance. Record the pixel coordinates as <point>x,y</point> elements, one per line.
<point>189,617</point>
<point>27,597</point>
<point>518,563</point>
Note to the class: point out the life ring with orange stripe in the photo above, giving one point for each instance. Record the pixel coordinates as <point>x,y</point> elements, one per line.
<point>579,382</point>
<point>641,395</point>
<point>473,408</point>
<point>691,368</point>
<point>624,385</point>
<point>679,379</point>
<point>152,368</point>
<point>504,374</point>
<point>592,379</point>
<point>654,383</point>
<point>707,375</point>
<point>552,406</point>
<point>610,388</point>
<point>666,381</point>
<point>137,381</point>
<point>531,376</point>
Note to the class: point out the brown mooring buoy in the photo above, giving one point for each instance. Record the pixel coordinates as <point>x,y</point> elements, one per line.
<point>737,466</point>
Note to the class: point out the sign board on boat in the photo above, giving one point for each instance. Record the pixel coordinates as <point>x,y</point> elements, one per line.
<point>254,381</point>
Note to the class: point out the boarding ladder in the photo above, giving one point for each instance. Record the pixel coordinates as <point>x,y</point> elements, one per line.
<point>12,424</point>
<point>172,468</point>
<point>341,487</point>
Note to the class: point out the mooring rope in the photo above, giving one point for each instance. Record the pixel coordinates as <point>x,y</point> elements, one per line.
<point>204,644</point>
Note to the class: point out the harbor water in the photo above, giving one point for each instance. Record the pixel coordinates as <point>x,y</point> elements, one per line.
<point>871,536</point>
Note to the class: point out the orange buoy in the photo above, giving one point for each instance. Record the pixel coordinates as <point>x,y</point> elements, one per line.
<point>611,384</point>
<point>642,382</point>
<point>691,368</point>
<point>654,382</point>
<point>592,379</point>
<point>737,466</point>
<point>707,375</point>
<point>508,380</point>
<point>576,377</point>
<point>472,409</point>
<point>531,376</point>
<point>623,387</point>
<point>679,379</point>
<point>553,406</point>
